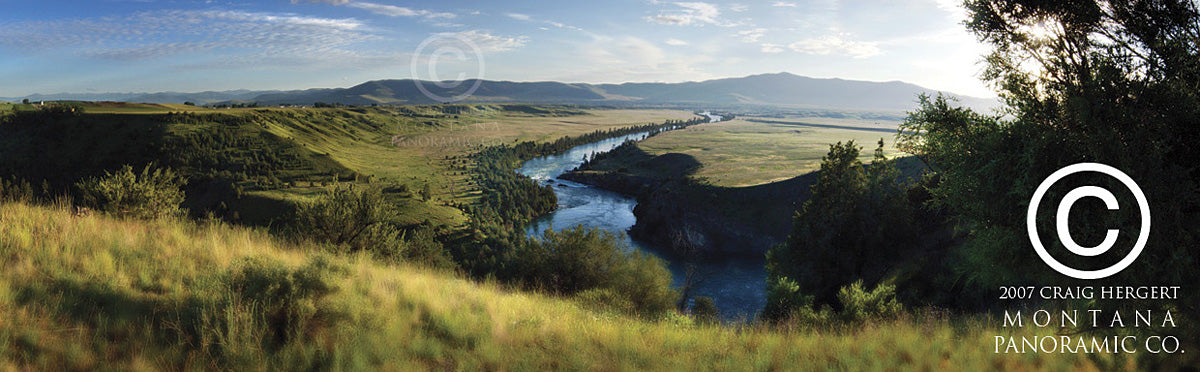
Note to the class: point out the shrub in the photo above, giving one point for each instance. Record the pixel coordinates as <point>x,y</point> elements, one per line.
<point>646,281</point>
<point>354,219</point>
<point>705,310</point>
<point>422,247</point>
<point>579,259</point>
<point>783,298</point>
<point>16,190</point>
<point>859,305</point>
<point>152,193</point>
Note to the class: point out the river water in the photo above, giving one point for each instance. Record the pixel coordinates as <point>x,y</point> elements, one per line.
<point>736,285</point>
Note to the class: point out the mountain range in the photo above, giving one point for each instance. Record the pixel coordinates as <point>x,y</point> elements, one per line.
<point>778,90</point>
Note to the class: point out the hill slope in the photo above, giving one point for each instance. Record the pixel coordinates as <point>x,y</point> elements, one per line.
<point>80,293</point>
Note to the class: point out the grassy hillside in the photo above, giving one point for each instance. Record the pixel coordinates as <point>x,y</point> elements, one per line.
<point>85,292</point>
<point>250,164</point>
<point>752,151</point>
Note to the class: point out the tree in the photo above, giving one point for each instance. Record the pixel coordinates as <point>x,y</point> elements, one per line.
<point>1111,82</point>
<point>855,225</point>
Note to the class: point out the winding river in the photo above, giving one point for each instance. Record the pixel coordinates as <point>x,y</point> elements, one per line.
<point>737,285</point>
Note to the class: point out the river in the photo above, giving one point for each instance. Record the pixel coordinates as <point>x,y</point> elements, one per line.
<point>736,285</point>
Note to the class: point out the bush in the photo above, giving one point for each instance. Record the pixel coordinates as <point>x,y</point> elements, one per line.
<point>783,298</point>
<point>859,305</point>
<point>354,219</point>
<point>705,310</point>
<point>422,247</point>
<point>580,259</point>
<point>152,193</point>
<point>646,281</point>
<point>16,190</point>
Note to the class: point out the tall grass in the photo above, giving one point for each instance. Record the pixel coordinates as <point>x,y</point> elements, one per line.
<point>90,292</point>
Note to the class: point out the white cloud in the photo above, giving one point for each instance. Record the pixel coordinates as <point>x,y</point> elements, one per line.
<point>625,59</point>
<point>676,42</point>
<point>218,34</point>
<point>953,6</point>
<point>331,2</point>
<point>738,7</point>
<point>396,11</point>
<point>837,45</point>
<point>529,18</point>
<point>751,35</point>
<point>487,42</point>
<point>784,4</point>
<point>689,13</point>
<point>772,48</point>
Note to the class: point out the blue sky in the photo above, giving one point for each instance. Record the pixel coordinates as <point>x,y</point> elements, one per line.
<point>183,45</point>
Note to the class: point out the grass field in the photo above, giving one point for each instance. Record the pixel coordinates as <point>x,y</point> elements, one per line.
<point>751,151</point>
<point>82,293</point>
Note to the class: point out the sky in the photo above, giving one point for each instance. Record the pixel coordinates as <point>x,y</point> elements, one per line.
<point>189,46</point>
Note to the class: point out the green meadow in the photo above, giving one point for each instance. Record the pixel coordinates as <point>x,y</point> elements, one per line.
<point>750,151</point>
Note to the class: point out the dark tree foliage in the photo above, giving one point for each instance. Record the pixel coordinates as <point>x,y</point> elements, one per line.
<point>1111,82</point>
<point>856,225</point>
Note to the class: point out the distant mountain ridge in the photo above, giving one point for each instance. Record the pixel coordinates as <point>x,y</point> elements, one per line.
<point>780,89</point>
<point>159,97</point>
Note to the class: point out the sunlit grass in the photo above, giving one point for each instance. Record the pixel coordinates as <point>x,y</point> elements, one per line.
<point>740,153</point>
<point>89,292</point>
